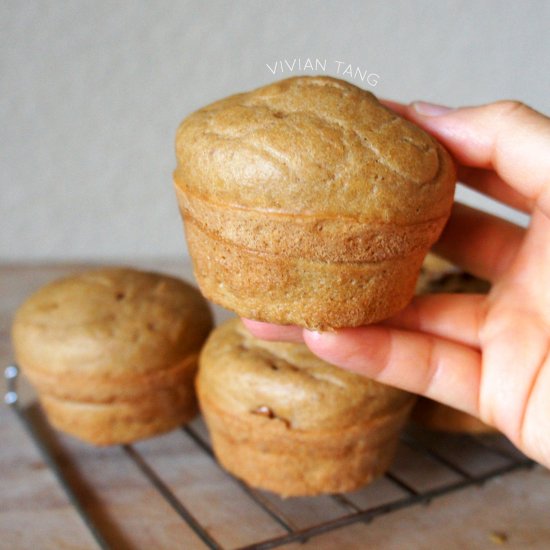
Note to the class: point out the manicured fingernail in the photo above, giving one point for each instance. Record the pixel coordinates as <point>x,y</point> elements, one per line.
<point>430,109</point>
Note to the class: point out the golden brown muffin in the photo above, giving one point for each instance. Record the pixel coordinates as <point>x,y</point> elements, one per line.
<point>442,418</point>
<point>113,352</point>
<point>308,202</point>
<point>436,276</point>
<point>284,420</point>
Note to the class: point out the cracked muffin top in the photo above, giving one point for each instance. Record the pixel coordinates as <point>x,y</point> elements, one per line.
<point>314,145</point>
<point>240,374</point>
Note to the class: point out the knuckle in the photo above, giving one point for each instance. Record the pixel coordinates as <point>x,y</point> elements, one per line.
<point>508,107</point>
<point>432,363</point>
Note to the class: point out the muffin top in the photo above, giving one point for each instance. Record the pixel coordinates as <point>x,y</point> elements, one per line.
<point>314,145</point>
<point>110,321</point>
<point>241,374</point>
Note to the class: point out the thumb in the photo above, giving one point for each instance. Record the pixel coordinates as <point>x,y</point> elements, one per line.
<point>421,363</point>
<point>507,136</point>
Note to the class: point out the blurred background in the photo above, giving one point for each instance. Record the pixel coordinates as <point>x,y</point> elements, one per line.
<point>91,94</point>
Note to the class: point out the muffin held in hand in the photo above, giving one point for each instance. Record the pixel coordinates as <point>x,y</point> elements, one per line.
<point>440,276</point>
<point>308,202</point>
<point>113,352</point>
<point>284,420</point>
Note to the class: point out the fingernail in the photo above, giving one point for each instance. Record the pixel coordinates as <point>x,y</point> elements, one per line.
<point>430,109</point>
<point>314,334</point>
<point>320,338</point>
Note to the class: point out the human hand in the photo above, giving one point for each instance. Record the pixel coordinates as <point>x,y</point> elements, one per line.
<point>486,355</point>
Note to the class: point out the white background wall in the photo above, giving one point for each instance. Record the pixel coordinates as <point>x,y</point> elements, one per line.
<point>91,93</point>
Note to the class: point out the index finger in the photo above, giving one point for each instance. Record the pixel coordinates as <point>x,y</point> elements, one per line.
<point>484,180</point>
<point>507,136</point>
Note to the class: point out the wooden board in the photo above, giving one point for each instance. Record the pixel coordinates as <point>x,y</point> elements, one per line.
<point>512,511</point>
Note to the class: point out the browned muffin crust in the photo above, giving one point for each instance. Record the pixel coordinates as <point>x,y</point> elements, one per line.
<point>310,174</point>
<point>284,420</point>
<point>438,275</point>
<point>314,145</point>
<point>113,352</point>
<point>442,418</point>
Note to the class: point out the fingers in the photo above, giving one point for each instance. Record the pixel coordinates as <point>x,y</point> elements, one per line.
<point>456,317</point>
<point>508,137</point>
<point>420,363</point>
<point>489,183</point>
<point>278,333</point>
<point>482,244</point>
<point>516,353</point>
<point>462,131</point>
<point>537,413</point>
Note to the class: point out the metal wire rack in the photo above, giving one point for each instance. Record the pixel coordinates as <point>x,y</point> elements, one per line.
<point>455,462</point>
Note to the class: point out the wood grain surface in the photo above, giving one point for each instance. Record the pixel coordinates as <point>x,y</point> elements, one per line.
<point>511,511</point>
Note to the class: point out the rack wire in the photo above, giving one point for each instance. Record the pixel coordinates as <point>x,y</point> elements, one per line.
<point>447,452</point>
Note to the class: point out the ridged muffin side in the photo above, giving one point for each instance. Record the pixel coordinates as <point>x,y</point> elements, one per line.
<point>309,174</point>
<point>284,420</point>
<point>113,352</point>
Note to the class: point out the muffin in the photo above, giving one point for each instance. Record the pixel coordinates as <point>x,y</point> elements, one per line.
<point>308,202</point>
<point>113,352</point>
<point>437,275</point>
<point>284,420</point>
<point>442,418</point>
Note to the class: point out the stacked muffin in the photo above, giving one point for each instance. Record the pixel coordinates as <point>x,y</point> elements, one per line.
<point>113,352</point>
<point>284,420</point>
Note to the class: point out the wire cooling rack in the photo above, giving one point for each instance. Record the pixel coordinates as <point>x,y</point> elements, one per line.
<point>427,466</point>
